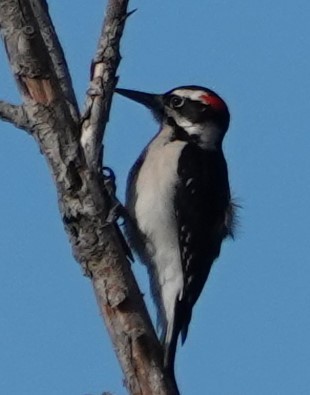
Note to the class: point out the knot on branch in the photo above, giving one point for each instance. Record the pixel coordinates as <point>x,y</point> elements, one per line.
<point>28,30</point>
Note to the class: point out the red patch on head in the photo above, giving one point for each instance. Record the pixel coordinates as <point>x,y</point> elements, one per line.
<point>214,101</point>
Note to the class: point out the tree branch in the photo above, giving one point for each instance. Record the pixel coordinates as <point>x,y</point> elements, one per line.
<point>84,200</point>
<point>102,82</point>
<point>16,115</point>
<point>53,46</point>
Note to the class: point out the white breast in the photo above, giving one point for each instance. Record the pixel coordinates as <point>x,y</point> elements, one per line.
<point>155,216</point>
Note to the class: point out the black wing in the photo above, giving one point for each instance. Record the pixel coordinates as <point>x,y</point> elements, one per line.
<point>202,202</point>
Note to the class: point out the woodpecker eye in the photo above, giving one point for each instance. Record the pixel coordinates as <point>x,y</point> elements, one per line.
<point>176,101</point>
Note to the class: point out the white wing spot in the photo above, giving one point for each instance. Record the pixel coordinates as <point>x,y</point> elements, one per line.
<point>189,181</point>
<point>188,262</point>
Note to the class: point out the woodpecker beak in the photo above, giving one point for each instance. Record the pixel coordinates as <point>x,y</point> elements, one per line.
<point>150,100</point>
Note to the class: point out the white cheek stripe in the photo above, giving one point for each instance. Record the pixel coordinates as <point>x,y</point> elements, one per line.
<point>190,94</point>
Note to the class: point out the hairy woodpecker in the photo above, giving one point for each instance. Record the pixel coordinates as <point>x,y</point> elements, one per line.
<point>179,202</point>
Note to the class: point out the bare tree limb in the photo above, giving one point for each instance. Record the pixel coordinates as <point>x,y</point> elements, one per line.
<point>16,115</point>
<point>102,81</point>
<point>53,46</point>
<point>84,200</point>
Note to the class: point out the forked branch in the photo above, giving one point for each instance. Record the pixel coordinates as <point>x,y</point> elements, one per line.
<point>73,150</point>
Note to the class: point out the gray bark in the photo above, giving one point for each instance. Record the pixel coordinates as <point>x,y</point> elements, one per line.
<point>72,147</point>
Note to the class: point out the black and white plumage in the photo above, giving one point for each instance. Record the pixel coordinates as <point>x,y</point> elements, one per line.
<point>179,203</point>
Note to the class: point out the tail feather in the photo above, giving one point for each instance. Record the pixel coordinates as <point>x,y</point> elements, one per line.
<point>170,347</point>
<point>184,330</point>
<point>179,325</point>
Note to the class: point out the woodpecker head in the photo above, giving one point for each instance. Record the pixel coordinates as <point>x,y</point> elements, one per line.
<point>198,111</point>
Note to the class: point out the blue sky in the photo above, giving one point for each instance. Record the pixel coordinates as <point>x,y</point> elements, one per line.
<point>250,330</point>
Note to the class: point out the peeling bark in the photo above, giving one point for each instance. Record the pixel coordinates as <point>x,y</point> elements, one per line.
<point>73,150</point>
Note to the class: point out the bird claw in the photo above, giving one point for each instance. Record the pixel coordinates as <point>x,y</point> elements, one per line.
<point>114,212</point>
<point>109,180</point>
<point>117,210</point>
